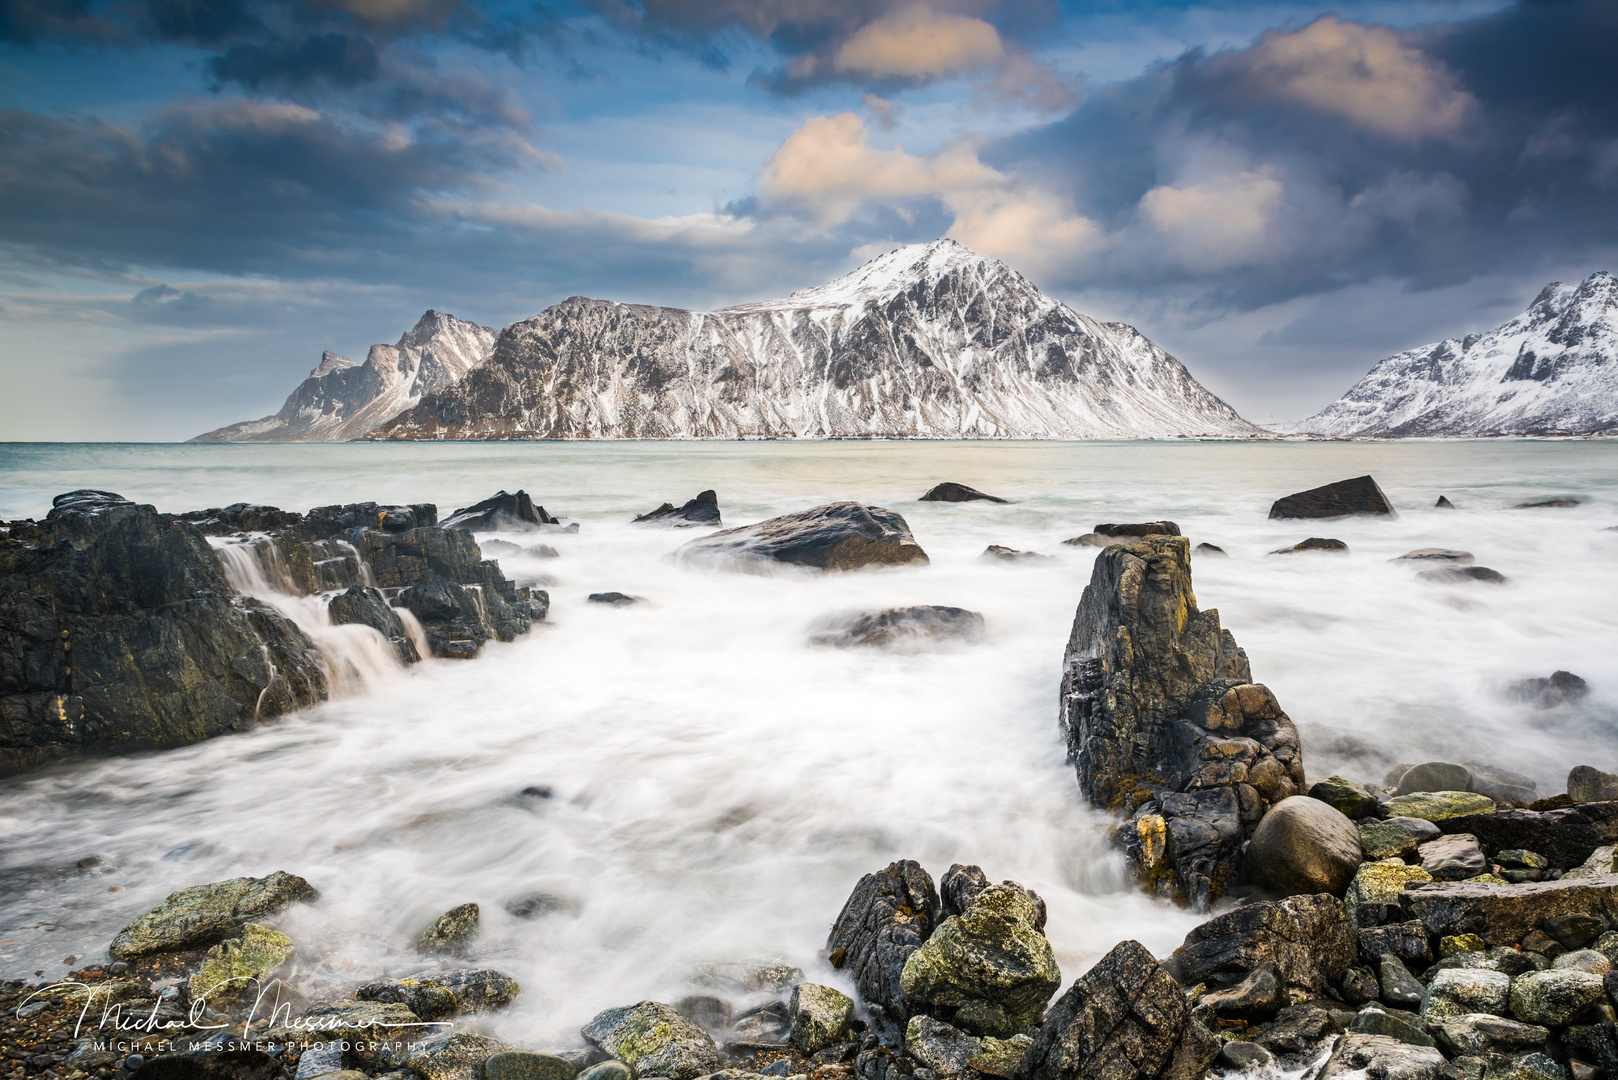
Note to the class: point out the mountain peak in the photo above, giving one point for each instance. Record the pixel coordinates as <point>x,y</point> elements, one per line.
<point>330,362</point>
<point>885,276</point>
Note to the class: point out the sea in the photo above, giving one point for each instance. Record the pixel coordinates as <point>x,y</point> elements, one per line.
<point>695,781</point>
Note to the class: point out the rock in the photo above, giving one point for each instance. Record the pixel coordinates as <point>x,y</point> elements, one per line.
<point>702,510</point>
<point>241,967</point>
<point>905,629</point>
<point>1002,1058</point>
<point>1145,528</point>
<point>1209,549</point>
<point>654,1040</point>
<point>1559,689</point>
<point>446,994</point>
<point>962,885</point>
<point>1436,555</point>
<point>1358,986</point>
<point>1361,495</point>
<point>1586,784</point>
<point>1463,575</point>
<point>1434,776</point>
<point>522,1065</point>
<point>1566,837</point>
<point>1124,1019</point>
<point>1484,1033</point>
<point>838,536</point>
<point>1453,858</point>
<point>1505,787</point>
<point>1374,1021</point>
<point>939,1046</point>
<point>542,551</point>
<point>1257,997</point>
<point>451,933</point>
<point>1296,1030</point>
<point>1546,504</point>
<point>493,549</point>
<point>885,920</point>
<point>365,606</point>
<point>767,1025</point>
<point>820,1017</point>
<point>999,553</point>
<point>1089,540</point>
<point>459,1055</point>
<point>712,1013</point>
<point>1406,940</point>
<point>378,1027</point>
<point>534,905</point>
<point>121,632</point>
<point>1574,930</point>
<point>1385,840</point>
<point>950,492</point>
<point>1350,800</point>
<point>1378,885</point>
<point>1303,845</point>
<point>1160,718</point>
<point>1443,503</point>
<point>500,512</point>
<point>204,914</point>
<point>1378,1057</point>
<point>1555,998</point>
<point>615,599</point>
<point>1588,960</point>
<point>607,1070</point>
<point>761,974</point>
<point>328,521</point>
<point>1506,915</point>
<point>990,964</point>
<point>1399,987</point>
<point>1459,991</point>
<point>1314,543</point>
<point>1461,943</point>
<point>1438,805</point>
<point>1306,939</point>
<point>1246,1057</point>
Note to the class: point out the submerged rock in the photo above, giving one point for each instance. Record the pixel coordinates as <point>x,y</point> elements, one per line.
<point>1544,504</point>
<point>1443,503</point>
<point>653,1039</point>
<point>452,932</point>
<point>702,510</point>
<point>1361,495</point>
<point>886,919</point>
<point>1434,776</point>
<point>446,994</point>
<point>1209,549</point>
<point>952,492</point>
<point>1303,846</point>
<point>1461,575</point>
<point>500,511</point>
<point>240,967</point>
<point>1559,689</point>
<point>615,599</point>
<point>906,629</point>
<point>838,536</point>
<point>1436,555</point>
<point>1315,543</point>
<point>1000,553</point>
<point>204,914</point>
<point>1138,529</point>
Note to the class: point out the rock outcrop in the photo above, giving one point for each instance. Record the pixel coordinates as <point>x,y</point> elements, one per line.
<point>702,510</point>
<point>886,918</point>
<point>1360,495</point>
<point>1163,722</point>
<point>838,536</point>
<point>500,511</point>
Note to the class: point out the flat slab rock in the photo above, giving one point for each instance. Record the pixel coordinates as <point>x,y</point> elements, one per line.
<point>1378,1057</point>
<point>1566,837</point>
<point>1505,914</point>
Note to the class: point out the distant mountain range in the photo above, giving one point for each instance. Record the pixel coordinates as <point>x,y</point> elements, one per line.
<point>928,341</point>
<point>1553,370</point>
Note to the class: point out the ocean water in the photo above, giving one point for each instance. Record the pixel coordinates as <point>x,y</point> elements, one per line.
<point>717,782</point>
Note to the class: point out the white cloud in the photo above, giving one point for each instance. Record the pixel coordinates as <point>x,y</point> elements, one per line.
<point>1224,221</point>
<point>918,43</point>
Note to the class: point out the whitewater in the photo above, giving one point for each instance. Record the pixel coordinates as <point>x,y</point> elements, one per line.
<point>695,781</point>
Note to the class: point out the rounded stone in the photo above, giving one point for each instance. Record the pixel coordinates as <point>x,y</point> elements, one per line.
<point>1303,845</point>
<point>1459,991</point>
<point>521,1065</point>
<point>1435,776</point>
<point>608,1070</point>
<point>1554,998</point>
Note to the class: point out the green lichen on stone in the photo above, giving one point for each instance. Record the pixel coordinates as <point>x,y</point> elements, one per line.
<point>203,914</point>
<point>1459,943</point>
<point>1380,883</point>
<point>452,932</point>
<point>1385,841</point>
<point>653,1039</point>
<point>1438,805</point>
<point>238,968</point>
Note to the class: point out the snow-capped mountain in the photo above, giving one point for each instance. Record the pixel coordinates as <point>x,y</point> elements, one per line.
<point>929,341</point>
<point>342,399</point>
<point>1553,370</point>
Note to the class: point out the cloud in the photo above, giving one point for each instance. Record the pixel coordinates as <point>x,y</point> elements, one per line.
<point>1217,223</point>
<point>917,43</point>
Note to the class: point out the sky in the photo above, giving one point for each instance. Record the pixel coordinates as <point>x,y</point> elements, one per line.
<point>198,197</point>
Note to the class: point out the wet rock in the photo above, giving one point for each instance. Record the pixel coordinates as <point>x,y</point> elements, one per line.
<point>379,1026</point>
<point>712,1013</point>
<point>838,536</point>
<point>757,975</point>
<point>1453,858</point>
<point>1003,1058</point>
<point>446,994</point>
<point>324,522</point>
<point>769,1024</point>
<point>1463,575</point>
<point>1378,886</point>
<point>1484,1033</point>
<point>1507,915</point>
<point>1438,805</point>
<point>1546,504</point>
<point>500,512</point>
<point>944,1049</point>
<point>1160,718</point>
<point>1459,991</point>
<point>1089,540</point>
<point>1245,1057</point>
<point>1378,1057</point>
<point>951,492</point>
<point>1303,846</point>
<point>653,1039</point>
<point>1306,939</point>
<point>534,905</point>
<point>204,914</point>
<point>961,885</point>
<point>1374,1021</point>
<point>1505,787</point>
<point>615,599</point>
<point>452,932</point>
<point>904,629</point>
<point>1314,543</point>
<point>820,1017</point>
<point>702,510</point>
<point>240,967</point>
<point>607,1070</point>
<point>1361,495</point>
<point>1443,503</point>
<point>1519,865</point>
<point>1209,549</point>
<point>1574,930</point>
<point>456,1055</point>
<point>1587,784</point>
<point>1462,943</point>
<point>1139,529</point>
<point>1259,996</point>
<point>1350,800</point>
<point>1566,837</point>
<point>522,1065</point>
<point>1555,998</point>
<point>1124,1019</point>
<point>1297,1030</point>
<point>1436,555</point>
<point>886,919</point>
<point>1000,553</point>
<point>365,606</point>
<point>1434,776</point>
<point>1358,986</point>
<point>1399,987</point>
<point>1560,688</point>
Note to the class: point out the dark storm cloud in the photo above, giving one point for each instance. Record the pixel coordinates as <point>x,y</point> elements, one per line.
<point>340,59</point>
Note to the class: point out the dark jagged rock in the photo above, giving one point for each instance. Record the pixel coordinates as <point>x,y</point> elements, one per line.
<point>886,919</point>
<point>119,631</point>
<point>1001,553</point>
<point>1506,914</point>
<point>1256,997</point>
<point>500,511</point>
<point>367,607</point>
<point>324,522</point>
<point>1566,837</point>
<point>1124,1019</point>
<point>1435,555</point>
<point>702,510</point>
<point>1561,688</point>
<point>1162,719</point>
<point>1138,529</point>
<point>654,1040</point>
<point>900,628</point>
<point>1314,543</point>
<point>951,492</point>
<point>1443,503</point>
<point>1406,940</point>
<point>1209,549</point>
<point>613,599</point>
<point>1361,495</point>
<point>961,885</point>
<point>1461,575</point>
<point>1307,940</point>
<point>241,518</point>
<point>837,536</point>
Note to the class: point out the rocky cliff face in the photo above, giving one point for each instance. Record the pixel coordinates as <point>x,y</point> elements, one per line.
<point>1553,370</point>
<point>343,400</point>
<point>927,342</point>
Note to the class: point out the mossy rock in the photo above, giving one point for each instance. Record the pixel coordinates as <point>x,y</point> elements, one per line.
<point>1380,883</point>
<point>1438,805</point>
<point>238,969</point>
<point>653,1039</point>
<point>452,932</point>
<point>204,914</point>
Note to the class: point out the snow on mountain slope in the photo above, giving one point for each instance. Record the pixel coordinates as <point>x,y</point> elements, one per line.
<point>929,341</point>
<point>342,399</point>
<point>1553,370</point>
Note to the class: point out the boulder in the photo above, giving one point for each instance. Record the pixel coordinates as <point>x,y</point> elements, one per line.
<point>1436,555</point>
<point>445,994</point>
<point>1406,940</point>
<point>1463,575</point>
<point>457,1055</point>
<point>239,968</point>
<point>1089,540</point>
<point>1361,495</point>
<point>1458,991</point>
<point>1303,846</point>
<point>1555,998</point>
<point>522,1065</point>
<point>769,1024</point>
<point>1603,860</point>
<point>1378,886</point>
<point>1453,858</point>
<point>1138,529</point>
<point>1389,840</point>
<point>324,522</point>
<point>951,492</point>
<point>1566,837</point>
<point>1374,1021</point>
<point>1505,787</point>
<point>1124,1019</point>
<point>1307,940</point>
<point>499,512</point>
<point>1544,504</point>
<point>820,1017</point>
<point>452,932</point>
<point>1259,996</point>
<point>1378,1057</point>
<point>205,914</point>
<point>904,629</point>
<point>1246,1057</point>
<point>365,606</point>
<point>1506,914</point>
<point>961,885</point>
<point>614,599</point>
<point>1485,1033</point>
<point>1560,688</point>
<point>886,919</point>
<point>1438,805</point>
<point>1399,988</point>
<point>1574,930</point>
<point>1209,549</point>
<point>1297,1030</point>
<point>1314,543</point>
<point>1586,784</point>
<point>1434,776</point>
<point>1350,800</point>
<point>1443,503</point>
<point>1000,553</point>
<point>838,536</point>
<point>376,1029</point>
<point>702,510</point>
<point>1590,960</point>
<point>990,965</point>
<point>653,1039</point>
<point>1161,718</point>
<point>945,1049</point>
